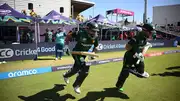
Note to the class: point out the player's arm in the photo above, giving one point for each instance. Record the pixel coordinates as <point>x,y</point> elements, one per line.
<point>146,47</point>
<point>94,49</point>
<point>96,43</point>
<point>130,44</point>
<point>128,47</point>
<point>70,35</point>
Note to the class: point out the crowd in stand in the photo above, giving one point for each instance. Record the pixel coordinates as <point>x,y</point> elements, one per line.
<point>125,35</point>
<point>32,13</point>
<point>115,36</point>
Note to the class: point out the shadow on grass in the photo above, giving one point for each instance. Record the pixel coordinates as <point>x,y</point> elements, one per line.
<point>101,95</point>
<point>174,73</point>
<point>49,95</point>
<point>171,68</point>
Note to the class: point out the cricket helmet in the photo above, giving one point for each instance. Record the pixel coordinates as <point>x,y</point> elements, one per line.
<point>93,26</point>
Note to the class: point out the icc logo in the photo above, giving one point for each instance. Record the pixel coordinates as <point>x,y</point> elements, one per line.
<point>6,53</point>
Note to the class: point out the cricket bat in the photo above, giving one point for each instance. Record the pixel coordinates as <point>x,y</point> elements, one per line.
<point>85,53</point>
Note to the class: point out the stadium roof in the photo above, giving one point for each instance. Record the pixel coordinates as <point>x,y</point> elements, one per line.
<point>81,5</point>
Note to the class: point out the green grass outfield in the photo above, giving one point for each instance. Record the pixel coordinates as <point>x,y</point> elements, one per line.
<point>162,86</point>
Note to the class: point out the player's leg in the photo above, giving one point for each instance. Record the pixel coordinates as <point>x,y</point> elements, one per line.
<point>61,51</point>
<point>82,74</point>
<point>127,63</point>
<point>140,69</point>
<point>73,70</point>
<point>122,78</point>
<point>57,53</point>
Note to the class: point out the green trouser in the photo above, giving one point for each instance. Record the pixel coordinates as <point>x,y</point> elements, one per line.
<point>79,67</point>
<point>128,61</point>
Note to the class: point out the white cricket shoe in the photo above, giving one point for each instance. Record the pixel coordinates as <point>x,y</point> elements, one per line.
<point>4,62</point>
<point>56,58</point>
<point>77,90</point>
<point>66,80</point>
<point>145,74</point>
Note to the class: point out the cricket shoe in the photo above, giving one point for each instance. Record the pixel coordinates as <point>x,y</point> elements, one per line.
<point>120,89</point>
<point>66,80</point>
<point>135,72</point>
<point>145,74</point>
<point>77,90</point>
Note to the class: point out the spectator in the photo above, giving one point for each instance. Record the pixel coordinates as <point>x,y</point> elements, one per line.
<point>53,35</point>
<point>66,47</point>
<point>120,36</point>
<point>78,17</point>
<point>60,40</point>
<point>48,35</point>
<point>82,18</point>
<point>125,36</point>
<point>175,43</point>
<point>33,14</point>
<point>70,16</point>
<point>24,37</point>
<point>30,35</point>
<point>24,12</point>
<point>126,22</point>
<point>113,38</point>
<point>131,34</point>
<point>128,35</point>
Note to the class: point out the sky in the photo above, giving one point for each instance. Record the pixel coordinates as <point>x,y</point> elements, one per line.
<point>137,6</point>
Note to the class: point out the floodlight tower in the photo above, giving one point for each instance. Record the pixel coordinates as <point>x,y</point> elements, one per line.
<point>145,12</point>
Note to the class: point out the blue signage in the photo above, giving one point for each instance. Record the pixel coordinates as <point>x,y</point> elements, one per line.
<point>6,75</point>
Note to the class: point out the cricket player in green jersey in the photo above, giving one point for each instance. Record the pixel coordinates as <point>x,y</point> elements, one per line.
<point>133,59</point>
<point>85,38</point>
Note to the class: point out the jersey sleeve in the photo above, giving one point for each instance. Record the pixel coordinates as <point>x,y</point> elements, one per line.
<point>132,42</point>
<point>96,42</point>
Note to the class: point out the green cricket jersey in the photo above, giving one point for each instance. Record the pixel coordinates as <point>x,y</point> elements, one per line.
<point>84,41</point>
<point>60,37</point>
<point>138,42</point>
<point>50,34</point>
